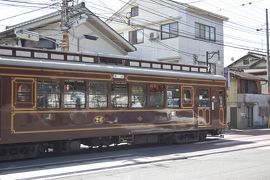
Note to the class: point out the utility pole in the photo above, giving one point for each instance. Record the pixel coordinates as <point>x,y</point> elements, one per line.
<point>268,61</point>
<point>64,27</point>
<point>267,49</point>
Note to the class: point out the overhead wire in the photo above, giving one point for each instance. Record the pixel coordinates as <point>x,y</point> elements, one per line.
<point>0,20</point>
<point>26,2</point>
<point>158,14</point>
<point>171,6</point>
<point>232,45</point>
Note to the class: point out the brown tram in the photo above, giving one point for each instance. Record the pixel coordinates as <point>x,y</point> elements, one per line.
<point>58,101</point>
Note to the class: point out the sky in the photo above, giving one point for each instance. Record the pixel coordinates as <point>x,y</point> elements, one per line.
<point>244,31</point>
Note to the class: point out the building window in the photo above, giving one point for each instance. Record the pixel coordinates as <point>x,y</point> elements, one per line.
<point>134,11</point>
<point>138,96</point>
<point>136,37</point>
<point>119,96</point>
<point>248,87</point>
<point>156,95</point>
<point>48,94</point>
<point>74,94</point>
<point>98,97</point>
<point>204,98</point>
<point>205,32</point>
<point>169,30</point>
<point>173,96</point>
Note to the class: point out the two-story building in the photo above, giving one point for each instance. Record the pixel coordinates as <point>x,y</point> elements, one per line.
<point>247,98</point>
<point>87,33</point>
<point>172,32</point>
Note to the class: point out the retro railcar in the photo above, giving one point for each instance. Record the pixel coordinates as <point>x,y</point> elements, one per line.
<point>57,101</point>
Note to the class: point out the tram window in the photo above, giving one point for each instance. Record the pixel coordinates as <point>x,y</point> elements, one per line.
<point>173,96</point>
<point>220,98</point>
<point>24,92</point>
<point>74,94</point>
<point>48,94</point>
<point>138,96</point>
<point>156,95</point>
<point>187,95</point>
<point>119,96</point>
<point>98,95</point>
<point>204,98</point>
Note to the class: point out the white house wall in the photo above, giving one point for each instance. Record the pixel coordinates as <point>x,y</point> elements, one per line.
<point>102,45</point>
<point>183,47</point>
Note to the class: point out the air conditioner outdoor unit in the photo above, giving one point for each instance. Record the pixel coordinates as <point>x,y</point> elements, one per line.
<point>153,35</point>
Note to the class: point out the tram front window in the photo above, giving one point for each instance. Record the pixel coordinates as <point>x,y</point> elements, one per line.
<point>48,94</point>
<point>119,96</point>
<point>74,94</point>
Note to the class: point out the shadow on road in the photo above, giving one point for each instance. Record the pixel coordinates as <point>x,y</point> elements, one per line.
<point>213,145</point>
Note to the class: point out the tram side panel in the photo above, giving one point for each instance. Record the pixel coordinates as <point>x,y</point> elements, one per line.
<point>24,122</point>
<point>6,110</point>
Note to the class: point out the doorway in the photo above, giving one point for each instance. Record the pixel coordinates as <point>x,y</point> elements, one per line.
<point>250,116</point>
<point>233,117</point>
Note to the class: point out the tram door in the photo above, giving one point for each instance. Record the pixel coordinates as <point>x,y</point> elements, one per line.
<point>204,108</point>
<point>218,107</point>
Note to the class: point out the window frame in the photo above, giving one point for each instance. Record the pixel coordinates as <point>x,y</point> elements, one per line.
<point>144,95</point>
<point>205,32</point>
<point>130,36</point>
<point>19,84</point>
<point>111,96</point>
<point>184,104</point>
<point>179,101</point>
<point>64,92</point>
<point>209,97</point>
<point>134,11</point>
<point>221,98</point>
<point>30,102</point>
<point>149,97</point>
<point>59,93</point>
<point>171,34</point>
<point>107,94</point>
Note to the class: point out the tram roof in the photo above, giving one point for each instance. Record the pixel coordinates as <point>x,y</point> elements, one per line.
<point>70,65</point>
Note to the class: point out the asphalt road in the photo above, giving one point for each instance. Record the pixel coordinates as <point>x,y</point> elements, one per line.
<point>240,155</point>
